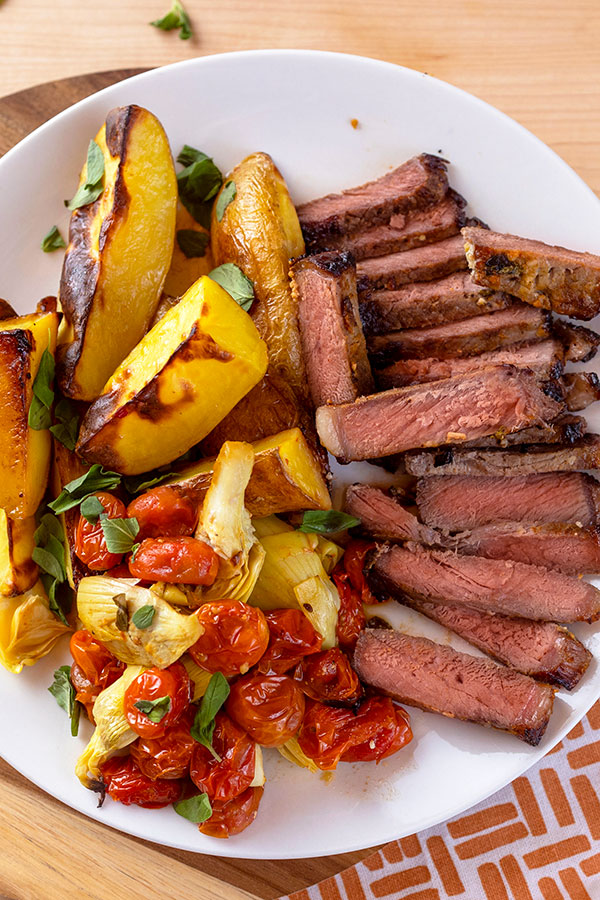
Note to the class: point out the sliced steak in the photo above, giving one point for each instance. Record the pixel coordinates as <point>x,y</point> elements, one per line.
<point>543,650</point>
<point>567,548</point>
<point>335,354</point>
<point>438,678</point>
<point>420,264</point>
<point>426,303</point>
<point>490,585</point>
<point>456,409</point>
<point>383,517</point>
<point>407,230</point>
<point>414,185</point>
<point>470,337</point>
<point>581,389</point>
<point>565,429</point>
<point>527,459</point>
<point>581,344</point>
<point>554,278</point>
<point>545,359</point>
<point>456,502</point>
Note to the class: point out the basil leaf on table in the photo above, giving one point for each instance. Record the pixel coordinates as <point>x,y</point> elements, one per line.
<point>203,727</point>
<point>119,534</point>
<point>156,710</point>
<point>225,197</point>
<point>232,279</point>
<point>143,617</point>
<point>95,479</point>
<point>40,417</point>
<point>192,243</point>
<point>91,509</point>
<point>53,240</point>
<point>327,521</point>
<point>64,693</point>
<point>175,18</point>
<point>93,185</point>
<point>195,809</point>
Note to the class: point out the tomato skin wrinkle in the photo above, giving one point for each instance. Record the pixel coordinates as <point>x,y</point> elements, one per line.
<point>235,637</point>
<point>175,560</point>
<point>233,773</point>
<point>168,756</point>
<point>351,583</point>
<point>291,638</point>
<point>127,784</point>
<point>153,684</point>
<point>232,818</point>
<point>163,512</point>
<point>269,707</point>
<point>328,676</point>
<point>90,543</point>
<point>93,669</point>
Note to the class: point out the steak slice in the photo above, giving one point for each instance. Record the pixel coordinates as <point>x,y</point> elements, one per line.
<point>426,303</point>
<point>417,183</point>
<point>438,678</point>
<point>581,389</point>
<point>420,264</point>
<point>554,278</point>
<point>581,344</point>
<point>490,585</point>
<point>381,516</point>
<point>567,548</point>
<point>545,359</point>
<point>470,337</point>
<point>543,650</point>
<point>335,354</point>
<point>426,415</point>
<point>527,459</point>
<point>404,231</point>
<point>565,429</point>
<point>455,502</point>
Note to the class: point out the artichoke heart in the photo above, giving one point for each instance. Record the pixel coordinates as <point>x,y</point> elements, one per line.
<point>112,730</point>
<point>28,628</point>
<point>199,677</point>
<point>292,752</point>
<point>259,770</point>
<point>107,608</point>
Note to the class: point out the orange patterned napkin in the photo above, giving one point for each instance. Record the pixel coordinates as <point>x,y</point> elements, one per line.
<point>538,839</point>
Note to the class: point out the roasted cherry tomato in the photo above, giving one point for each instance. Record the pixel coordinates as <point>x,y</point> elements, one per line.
<point>126,783</point>
<point>120,571</point>
<point>391,731</point>
<point>155,684</point>
<point>351,617</point>
<point>235,637</point>
<point>163,512</point>
<point>90,544</point>
<point>176,560</point>
<point>291,637</point>
<point>328,676</point>
<point>231,818</point>
<point>322,736</point>
<point>354,562</point>
<point>269,707</point>
<point>225,778</point>
<point>94,668</point>
<point>168,756</point>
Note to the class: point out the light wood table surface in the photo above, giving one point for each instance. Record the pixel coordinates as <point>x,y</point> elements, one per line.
<point>537,60</point>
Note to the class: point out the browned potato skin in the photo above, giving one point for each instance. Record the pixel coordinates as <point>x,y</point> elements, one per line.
<point>6,310</point>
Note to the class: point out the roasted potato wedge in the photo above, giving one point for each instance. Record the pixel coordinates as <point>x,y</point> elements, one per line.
<point>24,453</point>
<point>185,270</point>
<point>286,476</point>
<point>18,572</point>
<point>176,385</point>
<point>119,252</point>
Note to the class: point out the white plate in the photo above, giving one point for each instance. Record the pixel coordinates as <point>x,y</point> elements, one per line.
<point>297,106</point>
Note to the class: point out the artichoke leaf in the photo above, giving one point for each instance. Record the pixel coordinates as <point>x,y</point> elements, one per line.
<point>28,628</point>
<point>199,677</point>
<point>225,522</point>
<point>292,752</point>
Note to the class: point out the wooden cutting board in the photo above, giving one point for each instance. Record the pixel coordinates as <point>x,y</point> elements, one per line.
<point>44,842</point>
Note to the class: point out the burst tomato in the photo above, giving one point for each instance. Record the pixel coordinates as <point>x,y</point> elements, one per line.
<point>351,617</point>
<point>90,543</point>
<point>322,736</point>
<point>168,756</point>
<point>235,637</point>
<point>328,676</point>
<point>354,562</point>
<point>291,637</point>
<point>152,685</point>
<point>126,783</point>
<point>163,512</point>
<point>225,778</point>
<point>94,668</point>
<point>176,560</point>
<point>231,818</point>
<point>269,707</point>
<point>391,731</point>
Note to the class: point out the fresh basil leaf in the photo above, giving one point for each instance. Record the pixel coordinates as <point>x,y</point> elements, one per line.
<point>53,240</point>
<point>143,617</point>
<point>175,18</point>
<point>39,417</point>
<point>64,693</point>
<point>49,560</point>
<point>119,533</point>
<point>93,185</point>
<point>215,696</point>
<point>134,551</point>
<point>95,479</point>
<point>49,524</point>
<point>327,521</point>
<point>196,809</point>
<point>189,155</point>
<point>237,285</point>
<point>51,586</point>
<point>67,425</point>
<point>156,710</point>
<point>136,484</point>
<point>198,184</point>
<point>91,509</point>
<point>225,197</point>
<point>192,243</point>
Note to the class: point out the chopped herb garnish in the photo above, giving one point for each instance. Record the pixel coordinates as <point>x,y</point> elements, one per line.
<point>175,18</point>
<point>198,183</point>
<point>237,285</point>
<point>64,693</point>
<point>95,479</point>
<point>49,554</point>
<point>156,710</point>
<point>136,484</point>
<point>91,509</point>
<point>192,243</point>
<point>224,199</point>
<point>327,521</point>
<point>40,417</point>
<point>143,617</point>
<point>119,534</point>
<point>196,809</point>
<point>203,728</point>
<point>93,185</point>
<point>67,423</point>
<point>53,240</point>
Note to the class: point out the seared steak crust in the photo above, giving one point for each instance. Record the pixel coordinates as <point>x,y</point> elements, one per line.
<point>420,264</point>
<point>565,429</point>
<point>581,389</point>
<point>383,517</point>
<point>438,678</point>
<point>581,344</point>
